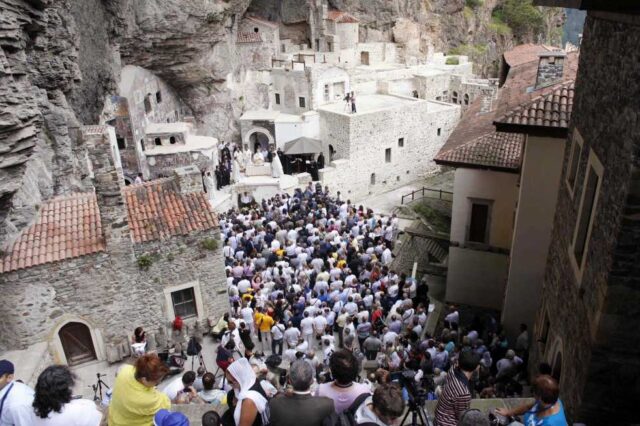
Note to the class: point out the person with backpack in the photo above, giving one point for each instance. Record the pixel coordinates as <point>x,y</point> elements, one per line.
<point>343,390</point>
<point>382,409</point>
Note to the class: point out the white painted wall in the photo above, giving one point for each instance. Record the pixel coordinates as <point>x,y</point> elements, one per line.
<point>479,277</point>
<point>539,183</point>
<point>500,187</point>
<point>288,131</point>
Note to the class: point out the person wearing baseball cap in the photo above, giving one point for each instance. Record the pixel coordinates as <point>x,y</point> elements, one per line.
<point>167,418</point>
<point>15,398</point>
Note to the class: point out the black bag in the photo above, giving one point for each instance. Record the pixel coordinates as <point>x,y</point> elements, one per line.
<point>193,347</point>
<point>348,416</point>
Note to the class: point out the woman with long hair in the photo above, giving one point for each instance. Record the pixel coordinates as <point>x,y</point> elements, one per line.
<point>53,403</point>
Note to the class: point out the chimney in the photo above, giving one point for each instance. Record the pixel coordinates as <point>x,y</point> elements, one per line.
<point>550,68</point>
<point>108,181</point>
<point>189,179</point>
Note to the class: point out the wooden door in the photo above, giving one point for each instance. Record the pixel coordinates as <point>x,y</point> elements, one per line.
<point>364,58</point>
<point>77,343</point>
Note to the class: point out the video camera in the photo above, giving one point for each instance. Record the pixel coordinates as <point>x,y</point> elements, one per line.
<point>416,390</point>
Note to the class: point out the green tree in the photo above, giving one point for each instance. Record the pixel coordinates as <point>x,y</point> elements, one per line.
<point>523,17</point>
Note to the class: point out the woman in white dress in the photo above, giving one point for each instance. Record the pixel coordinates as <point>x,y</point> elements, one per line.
<point>276,166</point>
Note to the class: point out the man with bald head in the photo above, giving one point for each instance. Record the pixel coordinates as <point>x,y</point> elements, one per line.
<point>299,406</point>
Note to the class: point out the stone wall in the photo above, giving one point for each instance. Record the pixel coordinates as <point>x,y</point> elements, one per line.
<point>595,322</point>
<point>364,139</point>
<point>291,85</point>
<point>163,165</point>
<point>110,292</point>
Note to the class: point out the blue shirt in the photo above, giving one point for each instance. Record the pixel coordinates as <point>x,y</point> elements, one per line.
<point>558,419</point>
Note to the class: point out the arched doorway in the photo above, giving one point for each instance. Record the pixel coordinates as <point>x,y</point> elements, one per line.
<point>258,138</point>
<point>77,343</point>
<point>332,153</point>
<point>258,141</point>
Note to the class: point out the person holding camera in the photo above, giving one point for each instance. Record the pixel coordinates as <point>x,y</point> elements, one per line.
<point>546,410</point>
<point>456,394</point>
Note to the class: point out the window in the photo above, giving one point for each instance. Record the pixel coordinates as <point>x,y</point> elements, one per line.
<point>142,144</point>
<point>329,46</point>
<point>466,99</point>
<point>158,142</point>
<point>184,303</point>
<point>172,140</point>
<point>147,104</point>
<point>478,231</point>
<point>454,97</point>
<point>574,161</point>
<point>121,143</point>
<point>158,97</point>
<point>387,155</point>
<point>439,131</point>
<point>400,142</point>
<point>256,29</point>
<point>277,98</point>
<point>302,102</point>
<point>373,179</point>
<point>326,93</point>
<point>586,213</point>
<point>283,48</point>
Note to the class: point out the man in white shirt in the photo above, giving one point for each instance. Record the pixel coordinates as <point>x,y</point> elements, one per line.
<point>291,335</point>
<point>16,398</point>
<point>319,323</point>
<point>307,328</point>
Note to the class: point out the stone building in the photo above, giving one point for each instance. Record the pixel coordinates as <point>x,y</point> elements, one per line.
<point>257,42</point>
<point>116,114</point>
<point>587,321</point>
<point>171,145</point>
<point>506,186</point>
<point>389,141</point>
<point>94,266</point>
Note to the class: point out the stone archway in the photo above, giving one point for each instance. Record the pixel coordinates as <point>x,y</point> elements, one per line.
<point>248,141</point>
<point>74,341</point>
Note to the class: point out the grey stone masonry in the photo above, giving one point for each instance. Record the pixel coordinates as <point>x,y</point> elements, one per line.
<point>108,182</point>
<point>550,69</point>
<point>592,319</point>
<point>189,179</point>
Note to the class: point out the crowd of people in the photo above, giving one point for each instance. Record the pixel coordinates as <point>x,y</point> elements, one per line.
<point>321,328</point>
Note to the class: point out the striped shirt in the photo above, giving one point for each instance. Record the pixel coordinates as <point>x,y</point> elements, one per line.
<point>455,399</point>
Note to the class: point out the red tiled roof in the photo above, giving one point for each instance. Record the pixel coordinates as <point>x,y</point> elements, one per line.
<point>519,88</point>
<point>341,17</point>
<point>257,20</point>
<point>67,226</point>
<point>157,210</point>
<point>551,109</point>
<point>495,150</point>
<point>250,37</point>
<point>524,53</point>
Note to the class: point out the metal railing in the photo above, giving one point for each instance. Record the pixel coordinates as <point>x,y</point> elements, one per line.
<point>427,193</point>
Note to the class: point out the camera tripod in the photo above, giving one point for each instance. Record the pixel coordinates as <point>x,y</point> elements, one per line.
<point>200,361</point>
<point>417,412</point>
<point>97,387</point>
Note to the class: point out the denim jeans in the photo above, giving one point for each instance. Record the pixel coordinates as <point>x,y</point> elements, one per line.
<point>278,344</point>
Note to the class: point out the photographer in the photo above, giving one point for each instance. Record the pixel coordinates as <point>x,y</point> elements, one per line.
<point>456,395</point>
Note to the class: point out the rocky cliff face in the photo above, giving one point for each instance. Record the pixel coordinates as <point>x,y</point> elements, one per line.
<point>60,58</point>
